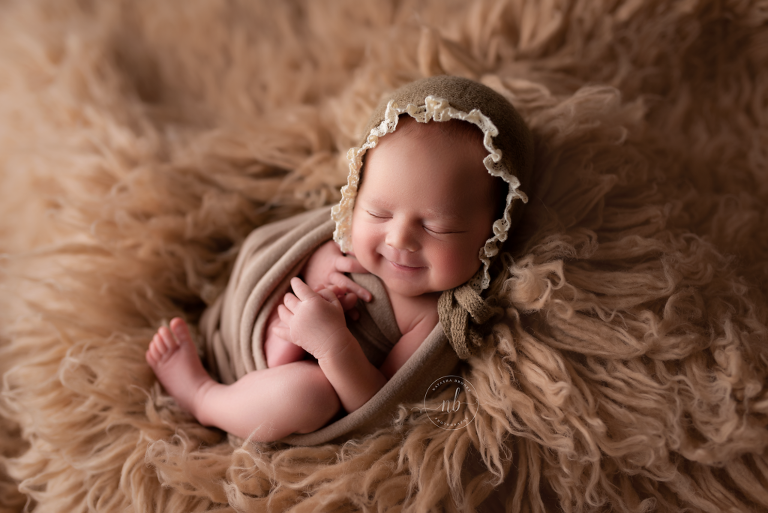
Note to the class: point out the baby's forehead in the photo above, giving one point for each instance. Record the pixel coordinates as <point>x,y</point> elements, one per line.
<point>434,140</point>
<point>437,155</point>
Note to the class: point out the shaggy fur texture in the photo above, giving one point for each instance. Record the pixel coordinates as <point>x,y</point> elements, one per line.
<point>141,141</point>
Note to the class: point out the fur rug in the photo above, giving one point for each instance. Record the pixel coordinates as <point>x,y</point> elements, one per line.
<point>141,141</point>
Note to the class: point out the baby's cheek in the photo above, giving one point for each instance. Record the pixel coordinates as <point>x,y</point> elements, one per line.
<point>459,265</point>
<point>364,242</point>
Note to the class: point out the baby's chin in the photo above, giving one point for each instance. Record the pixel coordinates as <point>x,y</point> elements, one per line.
<point>404,288</point>
<point>401,288</point>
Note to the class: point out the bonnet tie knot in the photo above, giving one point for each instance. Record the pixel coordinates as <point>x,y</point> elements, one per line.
<point>455,308</point>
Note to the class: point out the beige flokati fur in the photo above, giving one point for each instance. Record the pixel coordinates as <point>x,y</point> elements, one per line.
<point>141,141</point>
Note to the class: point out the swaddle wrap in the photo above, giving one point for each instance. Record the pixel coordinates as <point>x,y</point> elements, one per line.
<point>510,157</point>
<point>234,326</point>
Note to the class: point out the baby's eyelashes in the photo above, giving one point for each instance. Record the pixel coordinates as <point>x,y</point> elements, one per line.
<point>443,231</point>
<point>436,230</point>
<point>377,215</point>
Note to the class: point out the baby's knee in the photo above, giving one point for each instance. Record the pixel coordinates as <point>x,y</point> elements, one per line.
<point>280,352</point>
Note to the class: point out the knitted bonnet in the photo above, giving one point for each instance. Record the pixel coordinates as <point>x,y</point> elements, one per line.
<point>510,157</point>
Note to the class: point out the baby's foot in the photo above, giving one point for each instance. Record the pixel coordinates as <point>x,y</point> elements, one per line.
<point>173,357</point>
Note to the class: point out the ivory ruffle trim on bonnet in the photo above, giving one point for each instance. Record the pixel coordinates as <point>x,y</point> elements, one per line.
<point>437,99</point>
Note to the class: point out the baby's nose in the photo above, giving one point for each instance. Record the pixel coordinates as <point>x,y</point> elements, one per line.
<point>401,236</point>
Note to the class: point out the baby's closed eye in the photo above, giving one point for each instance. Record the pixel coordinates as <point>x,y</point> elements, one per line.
<point>430,227</point>
<point>378,215</point>
<point>440,230</point>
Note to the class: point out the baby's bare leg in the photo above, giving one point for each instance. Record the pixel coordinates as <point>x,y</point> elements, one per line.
<point>277,350</point>
<point>269,404</point>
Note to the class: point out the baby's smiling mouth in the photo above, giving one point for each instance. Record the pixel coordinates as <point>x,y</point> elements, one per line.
<point>402,267</point>
<point>404,263</point>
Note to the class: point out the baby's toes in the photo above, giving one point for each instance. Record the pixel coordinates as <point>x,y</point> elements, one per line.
<point>181,330</point>
<point>167,338</point>
<point>155,351</point>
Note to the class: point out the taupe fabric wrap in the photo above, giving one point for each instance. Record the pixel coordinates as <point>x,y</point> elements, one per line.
<point>233,327</point>
<point>462,310</point>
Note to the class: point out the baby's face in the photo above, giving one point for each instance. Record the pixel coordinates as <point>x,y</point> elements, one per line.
<point>425,208</point>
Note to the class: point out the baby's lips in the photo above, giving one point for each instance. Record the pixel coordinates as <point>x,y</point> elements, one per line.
<point>393,257</point>
<point>408,266</point>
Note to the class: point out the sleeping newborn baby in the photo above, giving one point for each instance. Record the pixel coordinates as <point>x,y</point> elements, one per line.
<point>425,214</point>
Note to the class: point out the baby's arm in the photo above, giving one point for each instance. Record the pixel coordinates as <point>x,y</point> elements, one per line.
<point>408,344</point>
<point>316,322</point>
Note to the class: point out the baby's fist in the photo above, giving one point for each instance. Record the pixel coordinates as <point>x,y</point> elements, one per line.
<point>315,319</point>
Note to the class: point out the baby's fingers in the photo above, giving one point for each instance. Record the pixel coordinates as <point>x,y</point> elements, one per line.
<point>290,301</point>
<point>301,289</point>
<point>285,314</point>
<point>349,264</point>
<point>328,294</point>
<point>283,332</point>
<point>348,301</point>
<point>345,282</point>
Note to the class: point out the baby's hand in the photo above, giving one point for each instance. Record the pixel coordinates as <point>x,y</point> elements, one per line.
<point>315,320</point>
<point>326,268</point>
<point>347,299</point>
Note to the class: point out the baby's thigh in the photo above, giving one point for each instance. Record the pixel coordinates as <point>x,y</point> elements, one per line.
<point>277,350</point>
